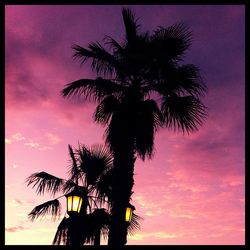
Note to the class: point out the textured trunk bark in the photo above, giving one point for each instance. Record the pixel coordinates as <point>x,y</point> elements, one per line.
<point>122,189</point>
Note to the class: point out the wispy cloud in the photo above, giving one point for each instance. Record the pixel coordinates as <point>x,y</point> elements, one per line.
<point>32,144</point>
<point>158,234</point>
<point>42,148</point>
<point>18,137</point>
<point>14,229</point>
<point>53,138</point>
<point>36,145</point>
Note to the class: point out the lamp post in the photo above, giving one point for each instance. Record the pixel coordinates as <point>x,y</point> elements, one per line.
<point>129,211</point>
<point>76,205</point>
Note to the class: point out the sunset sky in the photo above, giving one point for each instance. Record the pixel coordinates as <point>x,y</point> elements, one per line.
<point>192,192</point>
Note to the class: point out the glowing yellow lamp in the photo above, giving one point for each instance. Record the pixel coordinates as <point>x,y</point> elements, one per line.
<point>74,203</point>
<point>129,212</point>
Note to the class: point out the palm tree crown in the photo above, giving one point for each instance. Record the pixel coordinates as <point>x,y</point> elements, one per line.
<point>142,84</point>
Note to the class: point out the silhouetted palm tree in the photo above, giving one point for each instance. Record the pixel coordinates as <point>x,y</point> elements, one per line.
<point>87,174</point>
<point>141,85</point>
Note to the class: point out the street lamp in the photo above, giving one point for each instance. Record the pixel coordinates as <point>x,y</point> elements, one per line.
<point>129,211</point>
<point>74,202</point>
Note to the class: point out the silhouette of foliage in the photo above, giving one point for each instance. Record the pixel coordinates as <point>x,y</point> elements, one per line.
<point>134,225</point>
<point>62,236</point>
<point>141,85</point>
<point>45,182</point>
<point>52,207</point>
<point>88,172</point>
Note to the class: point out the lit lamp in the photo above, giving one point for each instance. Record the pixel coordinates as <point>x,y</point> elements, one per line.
<point>74,202</point>
<point>129,212</point>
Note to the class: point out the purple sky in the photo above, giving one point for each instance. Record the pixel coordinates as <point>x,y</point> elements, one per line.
<point>192,192</point>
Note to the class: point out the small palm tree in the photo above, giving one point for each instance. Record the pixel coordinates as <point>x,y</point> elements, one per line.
<point>141,85</point>
<point>87,174</point>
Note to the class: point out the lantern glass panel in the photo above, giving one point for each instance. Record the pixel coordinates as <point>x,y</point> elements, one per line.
<point>80,205</point>
<point>128,214</point>
<point>76,200</point>
<point>69,203</point>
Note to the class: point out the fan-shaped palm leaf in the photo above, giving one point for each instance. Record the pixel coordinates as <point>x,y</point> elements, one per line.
<point>134,225</point>
<point>171,42</point>
<point>183,113</point>
<point>45,182</point>
<point>94,161</point>
<point>182,80</point>
<point>52,207</point>
<point>187,78</point>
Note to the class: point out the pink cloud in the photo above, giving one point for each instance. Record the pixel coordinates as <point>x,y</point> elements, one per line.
<point>14,229</point>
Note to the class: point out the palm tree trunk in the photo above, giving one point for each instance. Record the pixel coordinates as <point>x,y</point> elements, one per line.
<point>97,240</point>
<point>122,189</point>
<point>74,232</point>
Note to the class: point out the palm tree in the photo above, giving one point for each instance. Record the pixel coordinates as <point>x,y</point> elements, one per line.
<point>87,174</point>
<point>141,85</point>
<point>88,164</point>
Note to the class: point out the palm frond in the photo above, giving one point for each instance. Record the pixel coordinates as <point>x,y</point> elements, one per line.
<point>105,109</point>
<point>114,45</point>
<point>171,42</point>
<point>184,113</point>
<point>74,170</point>
<point>52,207</point>
<point>69,185</point>
<point>130,24</point>
<point>98,225</point>
<point>186,80</point>
<point>91,89</point>
<point>102,61</point>
<point>191,81</point>
<point>82,53</point>
<point>104,186</point>
<point>147,122</point>
<point>62,236</point>
<point>94,161</point>
<point>134,225</point>
<point>45,182</point>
